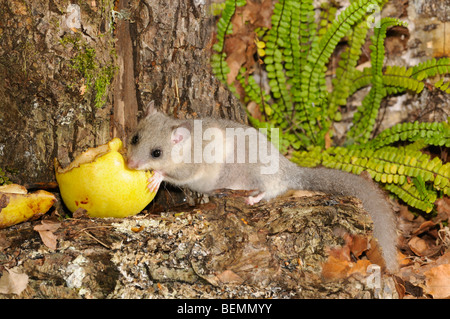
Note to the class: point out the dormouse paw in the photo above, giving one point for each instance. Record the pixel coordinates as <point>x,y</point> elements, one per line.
<point>155,182</point>
<point>251,200</point>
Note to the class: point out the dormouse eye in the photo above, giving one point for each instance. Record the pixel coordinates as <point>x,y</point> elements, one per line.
<point>156,153</point>
<point>135,139</point>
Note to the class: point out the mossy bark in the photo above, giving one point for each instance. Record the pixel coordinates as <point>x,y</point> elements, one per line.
<point>56,68</point>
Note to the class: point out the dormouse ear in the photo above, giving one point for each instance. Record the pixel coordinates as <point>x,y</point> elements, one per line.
<point>150,109</point>
<point>181,133</point>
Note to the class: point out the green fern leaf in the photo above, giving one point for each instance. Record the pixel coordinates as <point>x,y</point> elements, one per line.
<point>364,120</point>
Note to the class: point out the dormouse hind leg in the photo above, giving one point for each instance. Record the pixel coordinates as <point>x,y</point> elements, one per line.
<point>251,200</point>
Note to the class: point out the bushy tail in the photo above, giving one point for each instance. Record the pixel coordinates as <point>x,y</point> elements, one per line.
<point>373,199</point>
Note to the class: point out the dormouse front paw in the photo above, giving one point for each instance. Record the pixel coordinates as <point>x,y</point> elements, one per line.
<point>155,181</point>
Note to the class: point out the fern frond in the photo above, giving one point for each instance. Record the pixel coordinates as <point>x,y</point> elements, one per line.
<point>302,33</point>
<point>314,76</point>
<point>399,76</point>
<point>413,197</point>
<point>392,166</point>
<point>435,133</point>
<point>254,92</point>
<point>443,86</point>
<point>364,120</point>
<point>224,27</point>
<point>327,15</point>
<point>310,158</point>
<point>360,79</point>
<point>346,70</point>
<point>431,68</point>
<point>277,41</point>
<point>313,87</point>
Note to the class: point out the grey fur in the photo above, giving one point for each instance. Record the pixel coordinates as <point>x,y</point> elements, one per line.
<point>156,131</point>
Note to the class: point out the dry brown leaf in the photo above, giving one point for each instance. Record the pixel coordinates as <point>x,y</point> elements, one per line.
<point>254,110</point>
<point>403,260</point>
<point>47,225</point>
<point>335,268</point>
<point>46,229</point>
<point>360,267</point>
<point>4,242</point>
<point>405,213</point>
<point>341,253</point>
<point>438,281</point>
<point>358,245</point>
<point>443,205</point>
<point>258,13</point>
<point>424,227</point>
<point>443,208</point>
<point>444,259</point>
<point>422,247</point>
<point>418,246</point>
<point>374,253</point>
<point>236,46</point>
<point>229,276</point>
<point>13,281</point>
<point>80,213</point>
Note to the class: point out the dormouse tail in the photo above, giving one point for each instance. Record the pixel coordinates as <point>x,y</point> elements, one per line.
<point>373,199</point>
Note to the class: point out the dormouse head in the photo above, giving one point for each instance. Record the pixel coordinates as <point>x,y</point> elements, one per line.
<point>156,142</point>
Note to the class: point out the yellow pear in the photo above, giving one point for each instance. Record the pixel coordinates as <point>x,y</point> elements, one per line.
<point>17,206</point>
<point>99,181</point>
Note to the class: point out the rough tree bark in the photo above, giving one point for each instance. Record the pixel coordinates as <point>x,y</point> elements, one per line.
<point>51,72</point>
<point>173,46</point>
<point>47,92</point>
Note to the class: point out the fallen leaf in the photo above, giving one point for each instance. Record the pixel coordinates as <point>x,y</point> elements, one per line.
<point>438,281</point>
<point>13,281</point>
<point>418,246</point>
<point>374,254</point>
<point>425,226</point>
<point>358,245</point>
<point>4,242</point>
<point>341,253</point>
<point>80,213</point>
<point>360,267</point>
<point>403,260</point>
<point>422,247</point>
<point>444,259</point>
<point>443,208</point>
<point>46,230</point>
<point>236,46</point>
<point>400,287</point>
<point>229,276</point>
<point>258,13</point>
<point>47,225</point>
<point>335,268</point>
<point>254,110</point>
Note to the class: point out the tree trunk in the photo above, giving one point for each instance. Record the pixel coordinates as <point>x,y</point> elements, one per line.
<point>53,57</point>
<point>56,70</point>
<point>173,45</point>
